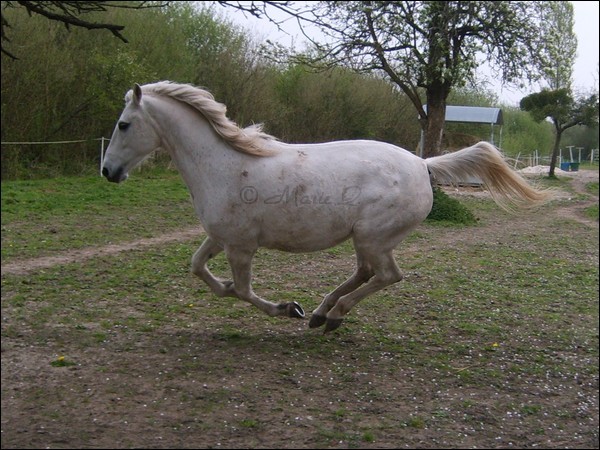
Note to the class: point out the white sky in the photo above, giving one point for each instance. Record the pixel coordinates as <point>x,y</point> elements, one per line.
<point>585,73</point>
<point>586,28</point>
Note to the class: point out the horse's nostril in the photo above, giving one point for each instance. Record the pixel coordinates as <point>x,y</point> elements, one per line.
<point>105,172</point>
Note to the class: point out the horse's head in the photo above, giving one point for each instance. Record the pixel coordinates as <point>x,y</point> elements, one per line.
<point>135,137</point>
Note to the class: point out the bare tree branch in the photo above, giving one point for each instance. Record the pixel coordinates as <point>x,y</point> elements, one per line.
<point>70,13</point>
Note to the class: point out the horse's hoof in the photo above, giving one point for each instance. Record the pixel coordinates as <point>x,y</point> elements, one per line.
<point>332,324</point>
<point>316,321</point>
<point>292,309</point>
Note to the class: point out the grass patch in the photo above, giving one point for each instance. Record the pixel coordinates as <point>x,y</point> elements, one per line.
<point>42,217</point>
<point>592,212</point>
<point>61,361</point>
<point>592,188</point>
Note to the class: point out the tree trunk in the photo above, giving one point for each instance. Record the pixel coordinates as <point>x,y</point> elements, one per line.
<point>555,151</point>
<point>436,119</point>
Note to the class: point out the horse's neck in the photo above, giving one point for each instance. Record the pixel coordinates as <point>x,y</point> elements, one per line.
<point>198,152</point>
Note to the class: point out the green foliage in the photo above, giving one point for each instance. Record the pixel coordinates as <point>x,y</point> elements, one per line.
<point>340,104</point>
<point>561,106</point>
<point>473,96</point>
<point>522,135</point>
<point>548,103</point>
<point>585,137</point>
<point>592,188</point>
<point>69,84</point>
<point>592,212</point>
<point>62,362</point>
<point>449,210</point>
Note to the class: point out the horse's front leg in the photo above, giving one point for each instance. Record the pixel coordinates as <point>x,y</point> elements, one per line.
<point>240,260</point>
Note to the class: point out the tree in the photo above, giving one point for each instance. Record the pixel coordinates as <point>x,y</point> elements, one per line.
<point>70,14</point>
<point>425,47</point>
<point>563,110</point>
<point>558,56</point>
<point>560,44</point>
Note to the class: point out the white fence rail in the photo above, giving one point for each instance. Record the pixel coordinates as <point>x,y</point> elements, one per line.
<point>103,144</point>
<point>535,159</point>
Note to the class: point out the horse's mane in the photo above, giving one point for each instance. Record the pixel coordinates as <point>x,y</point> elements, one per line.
<point>251,140</point>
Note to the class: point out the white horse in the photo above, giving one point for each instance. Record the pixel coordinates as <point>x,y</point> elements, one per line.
<point>250,190</point>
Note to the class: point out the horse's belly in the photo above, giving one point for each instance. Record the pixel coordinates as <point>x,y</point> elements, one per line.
<point>305,232</point>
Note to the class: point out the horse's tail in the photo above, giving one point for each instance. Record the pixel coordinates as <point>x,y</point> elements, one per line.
<point>485,162</point>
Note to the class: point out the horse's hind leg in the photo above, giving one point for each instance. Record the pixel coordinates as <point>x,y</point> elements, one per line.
<point>386,273</point>
<point>240,260</point>
<point>209,249</point>
<point>362,274</point>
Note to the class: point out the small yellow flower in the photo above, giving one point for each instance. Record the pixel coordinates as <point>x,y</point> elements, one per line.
<point>60,358</point>
<point>495,344</point>
<point>190,305</point>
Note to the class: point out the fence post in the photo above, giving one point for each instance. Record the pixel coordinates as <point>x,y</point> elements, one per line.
<point>101,154</point>
<point>559,157</point>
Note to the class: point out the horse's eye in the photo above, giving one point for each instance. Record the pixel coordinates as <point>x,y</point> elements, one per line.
<point>123,126</point>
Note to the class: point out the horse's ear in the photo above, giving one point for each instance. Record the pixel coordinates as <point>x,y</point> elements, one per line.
<point>137,94</point>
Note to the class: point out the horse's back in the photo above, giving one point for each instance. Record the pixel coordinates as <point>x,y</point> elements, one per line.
<point>352,160</point>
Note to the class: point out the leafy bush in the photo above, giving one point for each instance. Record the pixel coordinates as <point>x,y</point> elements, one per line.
<point>448,209</point>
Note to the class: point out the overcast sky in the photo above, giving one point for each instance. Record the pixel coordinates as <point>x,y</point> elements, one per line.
<point>586,28</point>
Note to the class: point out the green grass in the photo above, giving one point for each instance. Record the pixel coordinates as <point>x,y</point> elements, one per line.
<point>592,188</point>
<point>42,217</point>
<point>592,211</point>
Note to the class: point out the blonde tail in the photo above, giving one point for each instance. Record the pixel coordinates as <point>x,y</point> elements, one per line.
<point>485,162</point>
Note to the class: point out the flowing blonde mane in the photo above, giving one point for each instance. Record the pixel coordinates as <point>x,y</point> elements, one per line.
<point>251,140</point>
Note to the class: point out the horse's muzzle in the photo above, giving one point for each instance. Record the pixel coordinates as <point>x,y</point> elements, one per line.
<point>115,176</point>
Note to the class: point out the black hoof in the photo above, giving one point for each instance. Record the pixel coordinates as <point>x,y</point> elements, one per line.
<point>292,309</point>
<point>316,321</point>
<point>332,324</point>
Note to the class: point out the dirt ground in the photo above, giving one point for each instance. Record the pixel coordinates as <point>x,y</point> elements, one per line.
<point>207,388</point>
